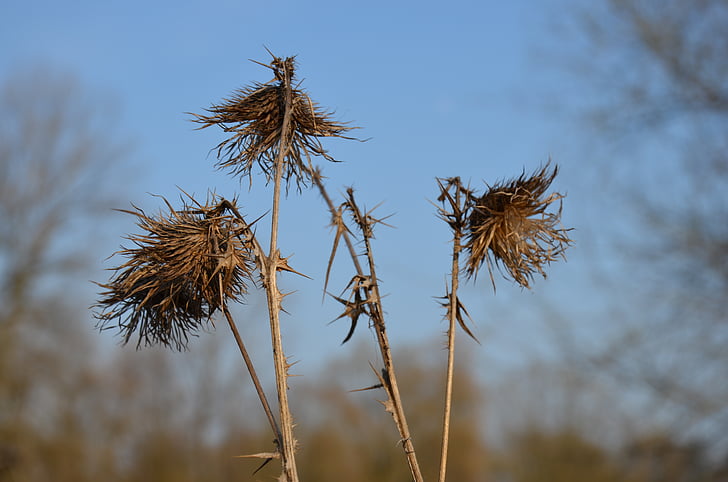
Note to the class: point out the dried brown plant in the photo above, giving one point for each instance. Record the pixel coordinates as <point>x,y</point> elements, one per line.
<point>365,299</point>
<point>454,198</point>
<point>255,116</point>
<point>277,126</point>
<point>182,269</point>
<point>510,227</point>
<point>454,211</point>
<point>188,264</point>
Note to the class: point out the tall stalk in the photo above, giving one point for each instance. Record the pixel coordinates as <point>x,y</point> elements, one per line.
<point>452,311</point>
<point>274,296</point>
<point>455,211</point>
<point>371,304</point>
<point>390,381</point>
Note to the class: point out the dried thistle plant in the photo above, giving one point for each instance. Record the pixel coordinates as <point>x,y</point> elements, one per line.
<point>510,227</point>
<point>277,126</point>
<point>256,115</point>
<point>189,263</point>
<point>365,299</point>
<point>454,210</point>
<point>182,269</point>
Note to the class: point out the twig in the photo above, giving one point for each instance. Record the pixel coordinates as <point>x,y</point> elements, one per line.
<point>253,375</point>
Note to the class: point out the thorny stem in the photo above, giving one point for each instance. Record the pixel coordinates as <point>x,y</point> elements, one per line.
<point>274,297</point>
<point>452,318</point>
<point>390,381</point>
<point>393,387</point>
<point>317,179</point>
<point>253,375</point>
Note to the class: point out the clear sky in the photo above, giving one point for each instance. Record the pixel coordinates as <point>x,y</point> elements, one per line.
<point>440,88</point>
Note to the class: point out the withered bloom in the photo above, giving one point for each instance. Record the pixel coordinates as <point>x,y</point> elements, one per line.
<point>180,271</point>
<point>255,117</point>
<point>509,227</point>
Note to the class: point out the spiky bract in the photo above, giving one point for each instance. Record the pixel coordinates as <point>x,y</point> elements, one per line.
<point>509,227</point>
<point>255,116</point>
<point>184,266</point>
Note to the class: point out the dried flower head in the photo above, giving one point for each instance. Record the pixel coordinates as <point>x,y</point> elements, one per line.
<point>255,116</point>
<point>181,270</point>
<point>509,226</point>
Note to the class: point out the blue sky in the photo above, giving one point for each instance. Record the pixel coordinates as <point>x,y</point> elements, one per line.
<point>441,89</point>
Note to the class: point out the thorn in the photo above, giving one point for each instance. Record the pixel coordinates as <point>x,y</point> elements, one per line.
<point>373,387</point>
<point>388,406</point>
<point>280,300</point>
<point>261,455</point>
<point>282,265</point>
<point>268,456</point>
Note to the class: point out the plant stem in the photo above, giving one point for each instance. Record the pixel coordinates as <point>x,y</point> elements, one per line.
<point>452,318</point>
<point>317,179</point>
<point>253,375</point>
<point>393,388</point>
<point>376,314</point>
<point>274,298</point>
<point>391,379</point>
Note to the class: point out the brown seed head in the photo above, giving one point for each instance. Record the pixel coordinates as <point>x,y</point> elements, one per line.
<point>509,227</point>
<point>254,117</point>
<point>181,270</point>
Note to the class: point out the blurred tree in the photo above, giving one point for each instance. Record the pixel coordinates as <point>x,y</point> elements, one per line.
<point>535,455</point>
<point>657,71</point>
<point>57,155</point>
<point>659,458</point>
<point>539,456</point>
<point>348,436</point>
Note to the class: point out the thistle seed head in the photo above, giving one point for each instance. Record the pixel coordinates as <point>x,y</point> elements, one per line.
<point>184,267</point>
<point>254,117</point>
<point>510,227</point>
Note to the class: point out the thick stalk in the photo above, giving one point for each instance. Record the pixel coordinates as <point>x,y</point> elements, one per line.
<point>452,318</point>
<point>393,387</point>
<point>275,297</point>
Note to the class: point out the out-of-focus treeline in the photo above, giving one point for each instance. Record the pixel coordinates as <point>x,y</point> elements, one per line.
<point>73,409</point>
<point>657,167</point>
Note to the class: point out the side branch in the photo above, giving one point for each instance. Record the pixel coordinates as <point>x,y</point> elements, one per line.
<point>369,302</point>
